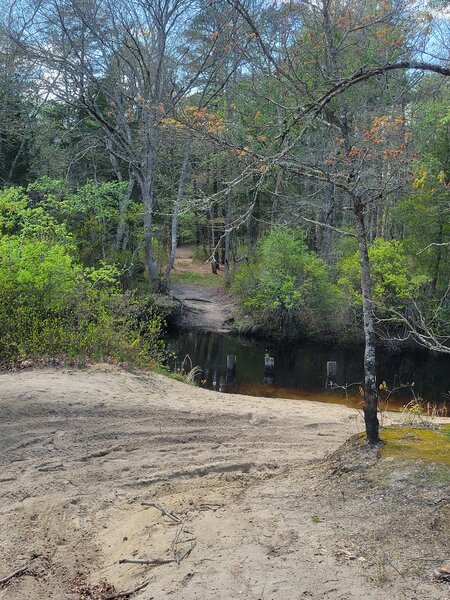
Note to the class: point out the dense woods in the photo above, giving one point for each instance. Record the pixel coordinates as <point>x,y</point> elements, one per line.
<point>304,148</point>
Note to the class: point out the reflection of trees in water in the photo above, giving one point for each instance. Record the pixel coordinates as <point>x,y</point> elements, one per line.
<point>302,367</point>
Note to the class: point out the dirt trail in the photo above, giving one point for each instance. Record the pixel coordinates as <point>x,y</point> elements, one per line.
<point>185,263</point>
<point>205,308</point>
<point>208,308</point>
<point>81,450</point>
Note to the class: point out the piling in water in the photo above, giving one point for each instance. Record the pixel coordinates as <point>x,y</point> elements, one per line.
<point>231,362</point>
<point>269,363</point>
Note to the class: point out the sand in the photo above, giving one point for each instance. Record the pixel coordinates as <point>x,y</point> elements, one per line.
<point>81,450</point>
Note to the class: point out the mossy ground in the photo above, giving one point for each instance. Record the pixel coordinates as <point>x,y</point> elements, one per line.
<point>413,443</point>
<point>207,279</point>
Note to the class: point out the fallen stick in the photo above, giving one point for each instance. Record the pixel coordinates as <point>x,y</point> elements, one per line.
<point>163,511</point>
<point>17,572</point>
<point>143,561</point>
<point>186,554</point>
<point>156,561</point>
<point>211,506</point>
<point>146,561</point>
<point>127,593</point>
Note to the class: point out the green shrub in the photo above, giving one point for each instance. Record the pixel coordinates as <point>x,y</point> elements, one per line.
<point>287,289</point>
<point>395,279</point>
<point>51,305</point>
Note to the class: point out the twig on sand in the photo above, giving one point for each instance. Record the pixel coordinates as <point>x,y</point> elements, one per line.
<point>25,570</point>
<point>165,512</point>
<point>175,541</point>
<point>146,561</point>
<point>20,571</point>
<point>177,557</point>
<point>157,561</point>
<point>210,506</point>
<point>395,568</point>
<point>127,593</point>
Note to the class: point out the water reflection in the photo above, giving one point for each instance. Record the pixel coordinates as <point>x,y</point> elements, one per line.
<point>300,370</point>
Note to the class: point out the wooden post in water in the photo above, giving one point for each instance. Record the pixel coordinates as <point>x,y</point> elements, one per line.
<point>331,373</point>
<point>268,378</point>
<point>231,362</point>
<point>331,369</point>
<point>269,363</point>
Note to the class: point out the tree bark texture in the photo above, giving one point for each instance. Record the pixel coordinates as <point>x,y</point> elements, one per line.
<point>370,379</point>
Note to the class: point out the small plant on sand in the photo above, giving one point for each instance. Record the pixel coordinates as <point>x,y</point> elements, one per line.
<point>381,566</point>
<point>415,412</point>
<point>419,412</point>
<point>186,371</point>
<point>190,371</point>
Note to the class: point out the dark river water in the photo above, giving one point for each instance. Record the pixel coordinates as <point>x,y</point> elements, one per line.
<point>300,370</point>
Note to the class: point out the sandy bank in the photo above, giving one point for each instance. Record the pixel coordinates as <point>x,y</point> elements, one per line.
<point>80,451</point>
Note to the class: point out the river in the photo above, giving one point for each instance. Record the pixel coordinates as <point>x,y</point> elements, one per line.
<point>300,369</point>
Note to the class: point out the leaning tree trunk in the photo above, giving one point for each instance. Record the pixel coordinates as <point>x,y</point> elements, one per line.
<point>370,380</point>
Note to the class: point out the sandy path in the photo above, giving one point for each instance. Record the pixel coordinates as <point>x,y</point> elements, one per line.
<point>80,451</point>
<point>205,308</point>
<point>185,263</point>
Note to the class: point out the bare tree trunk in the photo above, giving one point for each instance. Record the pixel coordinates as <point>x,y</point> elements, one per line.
<point>280,174</point>
<point>146,184</point>
<point>276,195</point>
<point>124,200</point>
<point>228,215</point>
<point>213,249</point>
<point>326,234</point>
<point>16,160</point>
<point>176,211</point>
<point>147,173</point>
<point>123,207</point>
<point>434,283</point>
<point>253,226</point>
<point>370,379</point>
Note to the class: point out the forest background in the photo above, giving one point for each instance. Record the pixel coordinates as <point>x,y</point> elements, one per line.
<point>302,147</point>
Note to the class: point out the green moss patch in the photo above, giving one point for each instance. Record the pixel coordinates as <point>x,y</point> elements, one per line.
<point>410,443</point>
